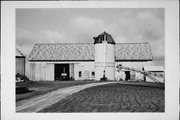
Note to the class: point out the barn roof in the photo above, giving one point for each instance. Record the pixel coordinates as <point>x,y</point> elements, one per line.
<point>85,51</point>
<point>19,53</point>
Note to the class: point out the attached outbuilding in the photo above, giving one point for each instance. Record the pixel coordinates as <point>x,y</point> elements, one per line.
<point>20,62</point>
<point>87,61</point>
<point>157,72</point>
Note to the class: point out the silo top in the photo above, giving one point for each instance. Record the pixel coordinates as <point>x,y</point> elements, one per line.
<point>104,37</point>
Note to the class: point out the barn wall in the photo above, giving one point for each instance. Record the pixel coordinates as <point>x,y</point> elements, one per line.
<point>41,71</point>
<point>32,71</point>
<point>50,71</point>
<point>71,70</point>
<point>86,69</point>
<point>20,66</point>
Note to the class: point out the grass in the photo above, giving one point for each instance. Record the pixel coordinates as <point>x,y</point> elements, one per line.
<point>112,98</point>
<point>41,87</point>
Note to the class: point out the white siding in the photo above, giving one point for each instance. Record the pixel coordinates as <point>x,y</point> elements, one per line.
<point>41,71</point>
<point>86,69</point>
<point>50,72</point>
<point>71,70</point>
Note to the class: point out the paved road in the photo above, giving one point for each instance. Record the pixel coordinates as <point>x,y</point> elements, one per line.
<point>40,102</point>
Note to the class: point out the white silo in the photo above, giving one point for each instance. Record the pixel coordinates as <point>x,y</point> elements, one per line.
<point>104,56</point>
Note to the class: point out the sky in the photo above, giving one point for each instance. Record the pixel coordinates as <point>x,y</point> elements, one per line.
<point>80,25</point>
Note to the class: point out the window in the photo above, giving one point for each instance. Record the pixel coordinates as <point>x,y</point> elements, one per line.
<point>93,74</point>
<point>80,73</point>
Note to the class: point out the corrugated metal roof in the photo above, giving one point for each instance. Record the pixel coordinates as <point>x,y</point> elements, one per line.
<point>85,51</point>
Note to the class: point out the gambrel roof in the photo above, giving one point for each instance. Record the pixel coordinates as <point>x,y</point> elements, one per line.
<point>86,52</point>
<point>104,37</point>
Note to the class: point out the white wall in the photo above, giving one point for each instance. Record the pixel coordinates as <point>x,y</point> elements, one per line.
<point>86,69</point>
<point>41,71</point>
<point>45,70</point>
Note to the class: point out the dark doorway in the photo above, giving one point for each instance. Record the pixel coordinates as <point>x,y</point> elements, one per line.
<point>127,75</point>
<point>61,72</point>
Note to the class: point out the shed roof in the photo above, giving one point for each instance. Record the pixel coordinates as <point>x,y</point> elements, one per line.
<point>19,53</point>
<point>86,52</point>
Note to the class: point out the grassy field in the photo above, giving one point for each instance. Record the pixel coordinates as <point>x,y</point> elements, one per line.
<point>41,87</point>
<point>112,98</point>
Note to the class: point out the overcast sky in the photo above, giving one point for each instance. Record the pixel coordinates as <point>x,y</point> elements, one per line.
<point>66,25</point>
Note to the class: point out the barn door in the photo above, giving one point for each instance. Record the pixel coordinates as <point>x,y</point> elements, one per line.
<point>61,71</point>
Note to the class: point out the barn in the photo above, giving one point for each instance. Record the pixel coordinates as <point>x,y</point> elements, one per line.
<point>20,62</point>
<point>88,61</point>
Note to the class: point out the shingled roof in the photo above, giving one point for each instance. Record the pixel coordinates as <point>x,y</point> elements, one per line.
<point>85,52</point>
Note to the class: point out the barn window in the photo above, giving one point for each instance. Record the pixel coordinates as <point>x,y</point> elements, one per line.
<point>93,74</point>
<point>80,74</point>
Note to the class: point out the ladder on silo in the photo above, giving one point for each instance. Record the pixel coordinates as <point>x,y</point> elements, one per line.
<point>148,74</point>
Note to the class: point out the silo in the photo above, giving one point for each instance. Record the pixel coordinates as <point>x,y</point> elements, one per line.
<point>20,63</point>
<point>104,56</point>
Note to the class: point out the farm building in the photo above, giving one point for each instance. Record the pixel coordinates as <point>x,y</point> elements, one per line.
<point>20,63</point>
<point>87,61</point>
<point>158,71</point>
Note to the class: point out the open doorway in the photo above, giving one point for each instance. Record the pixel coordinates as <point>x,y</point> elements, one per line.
<point>127,75</point>
<point>61,72</point>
